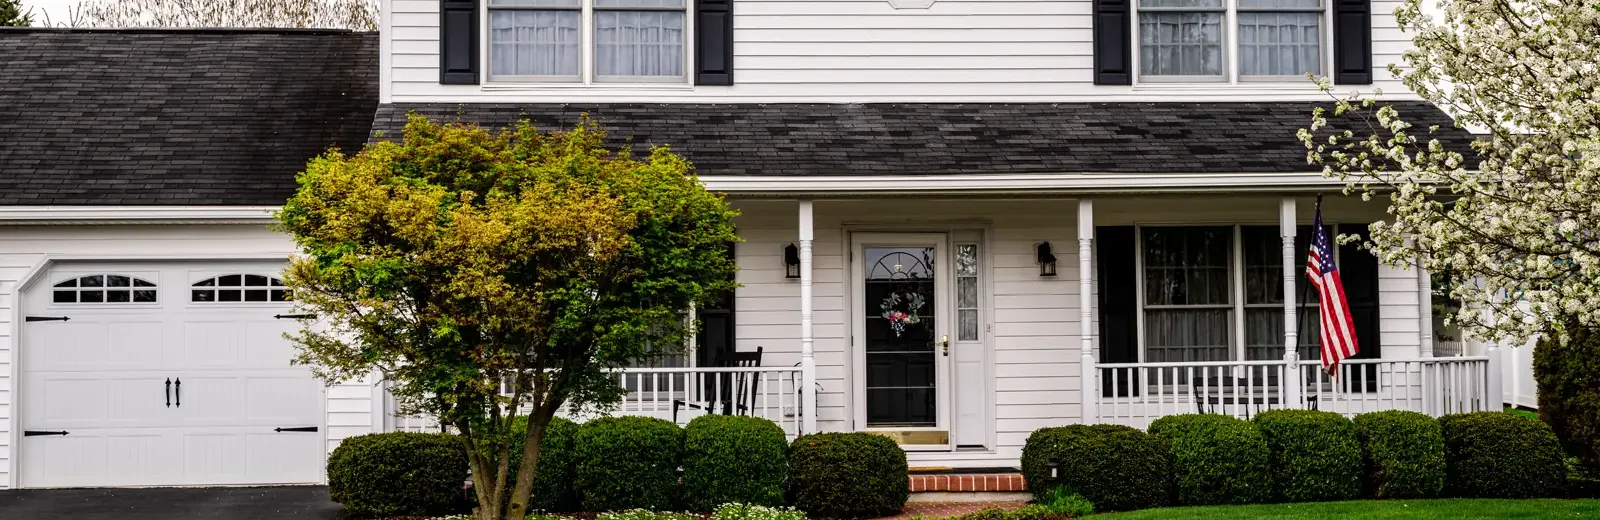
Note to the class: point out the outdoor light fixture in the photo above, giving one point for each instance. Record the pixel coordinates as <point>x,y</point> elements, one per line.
<point>1054,470</point>
<point>791,261</point>
<point>1047,261</point>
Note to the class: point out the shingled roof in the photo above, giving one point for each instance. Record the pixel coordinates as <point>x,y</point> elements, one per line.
<point>176,117</point>
<point>946,138</point>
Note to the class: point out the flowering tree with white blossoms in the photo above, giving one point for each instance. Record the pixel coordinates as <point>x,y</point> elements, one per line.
<point>1518,225</point>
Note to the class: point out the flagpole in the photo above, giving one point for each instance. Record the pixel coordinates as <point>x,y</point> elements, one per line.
<point>1304,290</point>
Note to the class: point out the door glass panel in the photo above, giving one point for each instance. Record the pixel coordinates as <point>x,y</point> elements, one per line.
<point>901,376</point>
<point>967,291</point>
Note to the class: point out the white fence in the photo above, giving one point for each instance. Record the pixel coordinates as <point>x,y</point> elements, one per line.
<point>680,395</point>
<point>1135,394</point>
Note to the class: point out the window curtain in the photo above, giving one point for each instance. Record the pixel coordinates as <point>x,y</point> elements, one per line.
<point>534,42</point>
<point>1187,294</point>
<point>1283,43</point>
<point>639,43</point>
<point>1180,37</point>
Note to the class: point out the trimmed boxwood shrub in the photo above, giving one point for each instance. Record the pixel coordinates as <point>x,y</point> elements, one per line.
<point>1403,452</point>
<point>552,480</point>
<point>1501,455</point>
<point>733,459</point>
<point>1215,459</point>
<point>628,463</point>
<point>1314,455</point>
<point>400,473</point>
<point>847,475</point>
<point>1116,468</point>
<point>1568,376</point>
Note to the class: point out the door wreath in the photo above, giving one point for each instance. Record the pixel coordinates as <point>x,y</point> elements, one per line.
<point>899,319</point>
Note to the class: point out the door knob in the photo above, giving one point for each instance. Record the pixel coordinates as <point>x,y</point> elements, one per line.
<point>945,340</point>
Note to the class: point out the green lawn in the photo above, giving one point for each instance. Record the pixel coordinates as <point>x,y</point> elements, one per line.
<point>1377,509</point>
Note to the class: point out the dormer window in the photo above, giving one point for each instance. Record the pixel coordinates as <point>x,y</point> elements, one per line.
<point>588,41</point>
<point>1215,40</point>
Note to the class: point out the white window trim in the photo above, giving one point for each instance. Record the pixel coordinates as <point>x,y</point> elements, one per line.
<point>587,77</point>
<point>1230,51</point>
<point>1237,350</point>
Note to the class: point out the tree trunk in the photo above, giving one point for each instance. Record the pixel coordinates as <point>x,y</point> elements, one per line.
<point>483,481</point>
<point>537,423</point>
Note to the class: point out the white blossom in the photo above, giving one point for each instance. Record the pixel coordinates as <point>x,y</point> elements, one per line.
<point>1516,225</point>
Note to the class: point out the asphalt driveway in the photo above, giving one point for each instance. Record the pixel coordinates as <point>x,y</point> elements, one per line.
<point>238,503</point>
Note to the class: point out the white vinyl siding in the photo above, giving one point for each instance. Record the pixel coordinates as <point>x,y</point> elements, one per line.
<point>866,50</point>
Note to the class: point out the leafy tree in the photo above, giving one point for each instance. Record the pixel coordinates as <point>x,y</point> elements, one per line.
<point>361,15</point>
<point>491,274</point>
<point>12,14</point>
<point>1515,227</point>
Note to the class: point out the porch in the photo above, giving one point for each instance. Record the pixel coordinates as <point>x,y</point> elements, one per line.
<point>1043,311</point>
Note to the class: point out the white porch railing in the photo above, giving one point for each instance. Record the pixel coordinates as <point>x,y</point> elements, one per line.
<point>1135,394</point>
<point>681,394</point>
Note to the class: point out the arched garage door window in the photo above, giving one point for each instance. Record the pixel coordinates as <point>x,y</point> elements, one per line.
<point>104,288</point>
<point>239,288</point>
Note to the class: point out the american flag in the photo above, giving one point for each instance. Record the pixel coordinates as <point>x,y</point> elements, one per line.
<point>1338,330</point>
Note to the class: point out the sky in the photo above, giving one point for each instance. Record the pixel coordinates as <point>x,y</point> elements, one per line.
<point>55,9</point>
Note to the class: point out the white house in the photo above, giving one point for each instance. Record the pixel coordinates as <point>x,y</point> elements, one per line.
<point>1073,211</point>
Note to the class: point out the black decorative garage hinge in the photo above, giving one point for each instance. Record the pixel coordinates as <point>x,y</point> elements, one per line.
<point>46,318</point>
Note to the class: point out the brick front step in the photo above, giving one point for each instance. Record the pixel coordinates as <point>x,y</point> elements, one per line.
<point>1011,482</point>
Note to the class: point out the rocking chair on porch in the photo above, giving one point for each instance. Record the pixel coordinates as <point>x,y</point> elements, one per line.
<point>737,389</point>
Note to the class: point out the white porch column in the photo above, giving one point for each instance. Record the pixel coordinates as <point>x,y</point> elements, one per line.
<point>1495,400</point>
<point>1291,324</point>
<point>1424,310</point>
<point>808,355</point>
<point>1088,381</point>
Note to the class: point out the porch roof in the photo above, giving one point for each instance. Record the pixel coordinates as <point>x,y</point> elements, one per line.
<point>943,138</point>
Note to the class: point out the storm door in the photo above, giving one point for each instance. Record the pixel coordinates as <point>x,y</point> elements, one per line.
<point>901,334</point>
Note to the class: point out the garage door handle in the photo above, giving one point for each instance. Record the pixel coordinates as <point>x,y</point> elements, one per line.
<point>169,392</point>
<point>177,390</point>
<point>296,429</point>
<point>36,433</point>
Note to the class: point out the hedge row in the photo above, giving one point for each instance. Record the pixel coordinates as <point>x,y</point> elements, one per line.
<point>607,464</point>
<point>1301,456</point>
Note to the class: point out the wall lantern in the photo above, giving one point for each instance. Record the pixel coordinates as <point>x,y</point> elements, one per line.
<point>1047,261</point>
<point>791,261</point>
<point>1053,470</point>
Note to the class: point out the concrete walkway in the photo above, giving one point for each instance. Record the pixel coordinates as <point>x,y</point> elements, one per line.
<point>242,503</point>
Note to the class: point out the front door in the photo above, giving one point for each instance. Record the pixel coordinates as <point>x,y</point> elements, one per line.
<point>901,334</point>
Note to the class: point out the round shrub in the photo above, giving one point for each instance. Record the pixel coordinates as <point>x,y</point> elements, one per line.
<point>1568,376</point>
<point>1314,455</point>
<point>1501,455</point>
<point>733,459</point>
<point>1116,468</point>
<point>847,475</point>
<point>1215,459</point>
<point>1403,452</point>
<point>552,480</point>
<point>400,473</point>
<point>628,463</point>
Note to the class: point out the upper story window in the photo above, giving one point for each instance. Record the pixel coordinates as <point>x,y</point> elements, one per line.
<point>104,288</point>
<point>1188,40</point>
<point>588,41</point>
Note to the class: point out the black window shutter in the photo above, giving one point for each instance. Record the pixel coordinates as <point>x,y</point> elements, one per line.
<point>1352,42</point>
<point>1113,43</point>
<point>458,42</point>
<point>713,42</point>
<point>716,339</point>
<point>1358,270</point>
<point>1119,334</point>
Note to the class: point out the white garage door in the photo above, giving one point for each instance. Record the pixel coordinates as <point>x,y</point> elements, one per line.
<point>164,375</point>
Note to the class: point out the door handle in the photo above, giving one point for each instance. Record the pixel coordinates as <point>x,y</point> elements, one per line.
<point>168,392</point>
<point>945,340</point>
<point>177,389</point>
